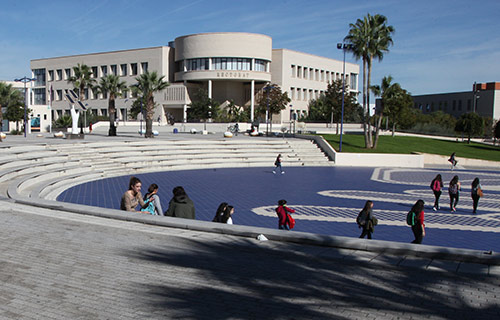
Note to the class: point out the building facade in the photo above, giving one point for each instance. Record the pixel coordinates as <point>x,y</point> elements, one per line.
<point>484,98</point>
<point>230,66</point>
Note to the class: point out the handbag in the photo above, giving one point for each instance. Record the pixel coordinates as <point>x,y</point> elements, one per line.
<point>290,220</point>
<point>480,192</point>
<point>150,208</point>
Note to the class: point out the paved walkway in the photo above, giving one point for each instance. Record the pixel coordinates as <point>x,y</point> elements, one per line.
<point>58,265</point>
<point>327,200</point>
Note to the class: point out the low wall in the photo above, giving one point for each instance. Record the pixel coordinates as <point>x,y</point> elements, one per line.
<point>435,159</point>
<point>379,160</point>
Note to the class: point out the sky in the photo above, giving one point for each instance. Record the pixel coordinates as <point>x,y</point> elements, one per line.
<point>439,46</point>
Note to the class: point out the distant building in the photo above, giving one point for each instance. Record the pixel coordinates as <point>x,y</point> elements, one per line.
<point>484,98</point>
<point>230,66</point>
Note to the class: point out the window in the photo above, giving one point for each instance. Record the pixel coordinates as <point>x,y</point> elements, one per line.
<point>104,112</point>
<point>323,75</point>
<point>459,105</point>
<point>292,93</point>
<point>39,74</point>
<point>299,93</point>
<point>59,95</point>
<point>144,67</point>
<point>354,82</point>
<point>104,95</point>
<point>316,75</point>
<point>95,93</point>
<point>133,69</point>
<point>293,71</point>
<point>305,73</point>
<point>114,70</point>
<point>39,95</point>
<point>304,94</point>
<point>51,75</point>
<point>104,71</point>
<point>469,103</point>
<point>95,72</point>
<point>123,69</point>
<point>67,74</point>
<point>86,94</point>
<point>454,105</point>
<point>299,72</point>
<point>260,65</point>
<point>197,64</point>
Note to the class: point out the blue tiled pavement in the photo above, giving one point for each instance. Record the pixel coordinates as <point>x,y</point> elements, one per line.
<point>327,200</point>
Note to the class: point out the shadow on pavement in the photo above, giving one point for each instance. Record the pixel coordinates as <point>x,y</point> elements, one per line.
<point>249,280</point>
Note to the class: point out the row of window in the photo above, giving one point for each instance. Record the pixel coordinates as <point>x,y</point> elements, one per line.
<point>456,105</point>
<point>305,94</point>
<point>124,69</point>
<point>323,75</point>
<point>60,95</point>
<point>241,64</point>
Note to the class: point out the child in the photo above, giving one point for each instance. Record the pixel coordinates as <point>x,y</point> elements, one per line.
<point>285,221</point>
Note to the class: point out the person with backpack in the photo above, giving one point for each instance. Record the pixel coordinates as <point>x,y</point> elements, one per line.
<point>436,186</point>
<point>277,164</point>
<point>415,219</point>
<point>366,220</point>
<point>152,199</point>
<point>454,191</point>
<point>285,220</point>
<point>476,192</point>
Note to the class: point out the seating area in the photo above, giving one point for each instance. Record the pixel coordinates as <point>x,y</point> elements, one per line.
<point>44,170</point>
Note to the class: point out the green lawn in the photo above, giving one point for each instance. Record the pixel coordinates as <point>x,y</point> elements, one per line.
<point>399,144</point>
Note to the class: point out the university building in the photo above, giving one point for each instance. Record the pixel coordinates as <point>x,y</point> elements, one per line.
<point>484,98</point>
<point>229,66</point>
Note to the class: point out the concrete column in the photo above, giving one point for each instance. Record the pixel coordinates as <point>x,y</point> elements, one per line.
<point>184,113</point>
<point>252,100</point>
<point>210,89</point>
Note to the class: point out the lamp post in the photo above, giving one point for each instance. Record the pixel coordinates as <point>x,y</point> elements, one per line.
<point>343,47</point>
<point>142,115</point>
<point>291,117</point>
<point>25,80</point>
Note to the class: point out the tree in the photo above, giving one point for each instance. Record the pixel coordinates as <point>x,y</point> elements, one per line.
<point>112,86</point>
<point>471,124</point>
<point>370,38</point>
<point>272,98</point>
<point>202,107</point>
<point>330,104</point>
<point>9,97</point>
<point>147,84</point>
<point>15,113</point>
<point>81,80</point>
<point>397,106</point>
<point>497,130</point>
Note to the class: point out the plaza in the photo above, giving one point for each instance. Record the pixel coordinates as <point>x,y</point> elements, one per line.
<point>67,252</point>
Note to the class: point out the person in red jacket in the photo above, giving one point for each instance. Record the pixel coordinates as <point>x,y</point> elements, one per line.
<point>419,227</point>
<point>436,186</point>
<point>282,211</point>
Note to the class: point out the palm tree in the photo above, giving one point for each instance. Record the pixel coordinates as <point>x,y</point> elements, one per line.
<point>8,97</point>
<point>370,39</point>
<point>384,91</point>
<point>112,85</point>
<point>82,79</point>
<point>147,84</point>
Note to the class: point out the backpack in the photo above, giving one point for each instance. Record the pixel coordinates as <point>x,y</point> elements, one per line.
<point>150,208</point>
<point>433,185</point>
<point>411,218</point>
<point>361,218</point>
<point>454,188</point>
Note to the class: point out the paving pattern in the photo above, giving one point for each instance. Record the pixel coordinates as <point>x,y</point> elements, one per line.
<point>327,200</point>
<point>58,265</point>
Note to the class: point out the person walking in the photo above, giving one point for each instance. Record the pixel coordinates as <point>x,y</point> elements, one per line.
<point>180,205</point>
<point>285,222</point>
<point>454,192</point>
<point>436,186</point>
<point>153,200</point>
<point>453,161</point>
<point>476,193</point>
<point>132,197</point>
<point>277,164</point>
<point>418,227</point>
<point>366,220</point>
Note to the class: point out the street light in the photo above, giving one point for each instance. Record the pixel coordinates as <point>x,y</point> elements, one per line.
<point>343,47</point>
<point>25,80</point>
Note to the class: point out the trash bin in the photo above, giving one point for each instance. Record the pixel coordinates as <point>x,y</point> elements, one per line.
<point>175,130</point>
